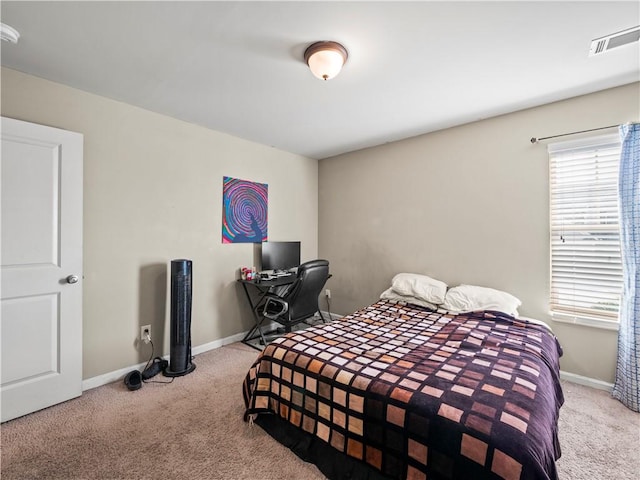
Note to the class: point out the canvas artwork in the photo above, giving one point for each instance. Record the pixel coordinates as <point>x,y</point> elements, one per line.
<point>244,211</point>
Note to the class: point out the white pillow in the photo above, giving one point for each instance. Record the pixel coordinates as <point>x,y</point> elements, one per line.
<point>389,294</point>
<point>419,286</point>
<point>468,298</point>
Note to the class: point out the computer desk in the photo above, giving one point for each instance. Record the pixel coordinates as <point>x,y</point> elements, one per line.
<point>261,288</point>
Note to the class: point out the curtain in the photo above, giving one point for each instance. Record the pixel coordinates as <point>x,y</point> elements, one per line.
<point>627,384</point>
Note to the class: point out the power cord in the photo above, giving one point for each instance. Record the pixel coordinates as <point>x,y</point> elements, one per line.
<point>328,298</point>
<point>151,361</point>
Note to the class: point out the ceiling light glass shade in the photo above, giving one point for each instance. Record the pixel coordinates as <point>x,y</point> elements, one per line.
<point>8,34</point>
<point>325,59</point>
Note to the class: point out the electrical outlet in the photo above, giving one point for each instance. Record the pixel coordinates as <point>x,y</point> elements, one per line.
<point>145,333</point>
<point>327,293</point>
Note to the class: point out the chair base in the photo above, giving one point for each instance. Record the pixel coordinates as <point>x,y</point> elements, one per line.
<point>256,342</point>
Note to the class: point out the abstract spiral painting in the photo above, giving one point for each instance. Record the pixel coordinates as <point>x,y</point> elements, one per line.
<point>244,211</point>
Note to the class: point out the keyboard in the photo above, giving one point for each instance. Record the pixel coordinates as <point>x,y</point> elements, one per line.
<point>272,276</point>
<point>282,274</point>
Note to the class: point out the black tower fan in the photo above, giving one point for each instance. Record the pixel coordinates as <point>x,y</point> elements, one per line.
<point>180,352</point>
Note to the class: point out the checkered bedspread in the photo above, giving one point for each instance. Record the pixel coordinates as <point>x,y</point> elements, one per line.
<point>418,394</point>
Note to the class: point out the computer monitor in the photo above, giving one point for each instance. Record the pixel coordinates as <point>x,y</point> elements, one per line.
<point>280,255</point>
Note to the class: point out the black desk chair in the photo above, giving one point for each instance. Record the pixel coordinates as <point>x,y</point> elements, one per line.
<point>300,301</point>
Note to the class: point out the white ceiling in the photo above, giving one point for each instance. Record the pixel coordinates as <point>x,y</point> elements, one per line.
<point>236,67</point>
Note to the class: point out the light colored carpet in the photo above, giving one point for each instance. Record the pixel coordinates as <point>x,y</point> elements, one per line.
<point>193,429</point>
<point>599,436</point>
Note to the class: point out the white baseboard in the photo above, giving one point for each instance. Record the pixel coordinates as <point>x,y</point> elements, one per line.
<point>109,377</point>
<point>217,343</point>
<point>116,375</point>
<point>586,381</point>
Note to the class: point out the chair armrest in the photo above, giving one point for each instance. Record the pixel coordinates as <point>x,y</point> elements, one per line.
<point>277,302</point>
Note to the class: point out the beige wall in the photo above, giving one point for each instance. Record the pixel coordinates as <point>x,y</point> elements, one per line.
<point>464,205</point>
<point>153,193</point>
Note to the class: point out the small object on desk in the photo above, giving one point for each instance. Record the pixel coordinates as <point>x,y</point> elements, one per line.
<point>246,273</point>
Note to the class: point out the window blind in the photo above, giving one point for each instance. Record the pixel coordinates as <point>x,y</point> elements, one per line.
<point>586,270</point>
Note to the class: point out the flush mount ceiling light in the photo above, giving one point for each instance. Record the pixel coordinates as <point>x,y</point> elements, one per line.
<point>325,59</point>
<point>8,34</point>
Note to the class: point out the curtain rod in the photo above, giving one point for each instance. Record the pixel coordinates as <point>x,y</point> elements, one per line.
<point>536,140</point>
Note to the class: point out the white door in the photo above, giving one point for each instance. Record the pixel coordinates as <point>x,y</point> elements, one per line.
<point>41,257</point>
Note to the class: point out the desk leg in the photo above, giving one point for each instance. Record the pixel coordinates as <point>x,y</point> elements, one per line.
<point>256,318</point>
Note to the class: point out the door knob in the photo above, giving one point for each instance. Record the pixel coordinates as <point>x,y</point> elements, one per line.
<point>72,279</point>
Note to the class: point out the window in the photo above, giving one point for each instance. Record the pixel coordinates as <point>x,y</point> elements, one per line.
<point>586,271</point>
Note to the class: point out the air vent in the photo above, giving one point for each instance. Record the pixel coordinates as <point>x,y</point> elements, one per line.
<point>604,44</point>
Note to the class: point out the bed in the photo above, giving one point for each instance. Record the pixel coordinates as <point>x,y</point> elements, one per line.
<point>397,390</point>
